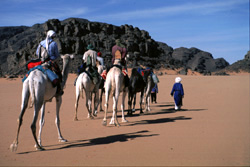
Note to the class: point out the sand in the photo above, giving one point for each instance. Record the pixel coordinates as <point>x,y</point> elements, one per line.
<point>213,129</point>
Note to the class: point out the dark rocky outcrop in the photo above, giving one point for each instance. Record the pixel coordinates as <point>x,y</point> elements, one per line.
<point>18,46</point>
<point>198,60</point>
<point>241,65</point>
<point>73,37</point>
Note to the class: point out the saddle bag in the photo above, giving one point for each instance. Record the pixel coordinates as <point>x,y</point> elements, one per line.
<point>155,78</point>
<point>118,54</point>
<point>104,74</point>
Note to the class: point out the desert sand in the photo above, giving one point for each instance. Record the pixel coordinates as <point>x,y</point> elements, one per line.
<point>213,129</point>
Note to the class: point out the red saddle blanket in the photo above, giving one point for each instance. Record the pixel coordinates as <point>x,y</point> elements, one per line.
<point>33,63</point>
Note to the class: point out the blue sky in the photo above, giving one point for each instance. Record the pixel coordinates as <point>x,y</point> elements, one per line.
<point>220,27</point>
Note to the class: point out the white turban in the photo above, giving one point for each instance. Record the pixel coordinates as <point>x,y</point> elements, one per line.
<point>50,34</point>
<point>177,79</point>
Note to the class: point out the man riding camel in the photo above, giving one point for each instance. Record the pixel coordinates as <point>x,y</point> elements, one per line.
<point>89,58</point>
<point>120,52</point>
<point>48,52</point>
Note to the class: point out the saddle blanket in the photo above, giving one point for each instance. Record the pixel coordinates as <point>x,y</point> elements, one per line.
<point>104,73</point>
<point>51,75</point>
<point>33,63</point>
<point>154,77</point>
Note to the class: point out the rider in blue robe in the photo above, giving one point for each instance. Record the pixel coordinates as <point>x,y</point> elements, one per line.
<point>178,93</point>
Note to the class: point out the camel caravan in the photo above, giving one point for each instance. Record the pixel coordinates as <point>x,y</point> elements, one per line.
<point>45,80</point>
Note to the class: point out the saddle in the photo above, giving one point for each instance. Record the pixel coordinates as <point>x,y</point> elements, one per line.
<point>50,74</point>
<point>93,74</point>
<point>141,71</point>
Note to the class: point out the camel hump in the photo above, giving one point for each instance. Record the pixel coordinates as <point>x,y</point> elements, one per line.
<point>118,55</point>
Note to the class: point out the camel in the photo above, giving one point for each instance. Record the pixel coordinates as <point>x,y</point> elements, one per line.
<point>149,86</point>
<point>136,85</point>
<point>115,84</point>
<point>84,82</point>
<point>39,89</point>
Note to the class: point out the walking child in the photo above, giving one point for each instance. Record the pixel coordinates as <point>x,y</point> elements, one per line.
<point>178,93</point>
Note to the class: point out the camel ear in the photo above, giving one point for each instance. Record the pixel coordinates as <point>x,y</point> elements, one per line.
<point>62,56</point>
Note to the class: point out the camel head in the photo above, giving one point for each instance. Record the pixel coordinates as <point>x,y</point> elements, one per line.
<point>66,61</point>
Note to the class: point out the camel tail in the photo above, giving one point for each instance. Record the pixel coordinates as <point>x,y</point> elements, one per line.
<point>32,93</point>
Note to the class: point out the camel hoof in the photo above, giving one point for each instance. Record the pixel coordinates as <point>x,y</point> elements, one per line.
<point>90,117</point>
<point>13,147</point>
<point>104,123</point>
<point>40,148</point>
<point>75,119</point>
<point>36,146</point>
<point>124,120</point>
<point>63,140</point>
<point>118,125</point>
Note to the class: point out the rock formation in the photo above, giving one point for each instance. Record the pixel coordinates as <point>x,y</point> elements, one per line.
<point>18,46</point>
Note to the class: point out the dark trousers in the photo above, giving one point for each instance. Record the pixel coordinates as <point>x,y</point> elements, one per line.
<point>153,97</point>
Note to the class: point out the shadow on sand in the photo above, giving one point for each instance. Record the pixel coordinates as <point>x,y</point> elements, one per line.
<point>158,121</point>
<point>96,141</point>
<point>124,137</point>
<point>162,108</point>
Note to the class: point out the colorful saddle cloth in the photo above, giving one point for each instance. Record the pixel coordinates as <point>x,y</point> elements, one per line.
<point>51,75</point>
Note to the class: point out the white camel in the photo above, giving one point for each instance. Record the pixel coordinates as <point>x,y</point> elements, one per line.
<point>85,83</point>
<point>40,89</point>
<point>115,84</point>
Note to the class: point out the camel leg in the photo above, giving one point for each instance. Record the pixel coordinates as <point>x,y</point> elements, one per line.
<point>96,102</point>
<point>107,92</point>
<point>41,124</point>
<point>147,94</point>
<point>134,98</point>
<point>147,102</point>
<point>130,99</point>
<point>88,103</point>
<point>57,121</point>
<point>141,98</point>
<point>123,106</point>
<point>100,101</point>
<point>77,101</point>
<point>37,107</point>
<point>25,100</point>
<point>114,120</point>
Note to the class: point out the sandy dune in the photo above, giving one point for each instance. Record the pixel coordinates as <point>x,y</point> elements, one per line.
<point>213,128</point>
